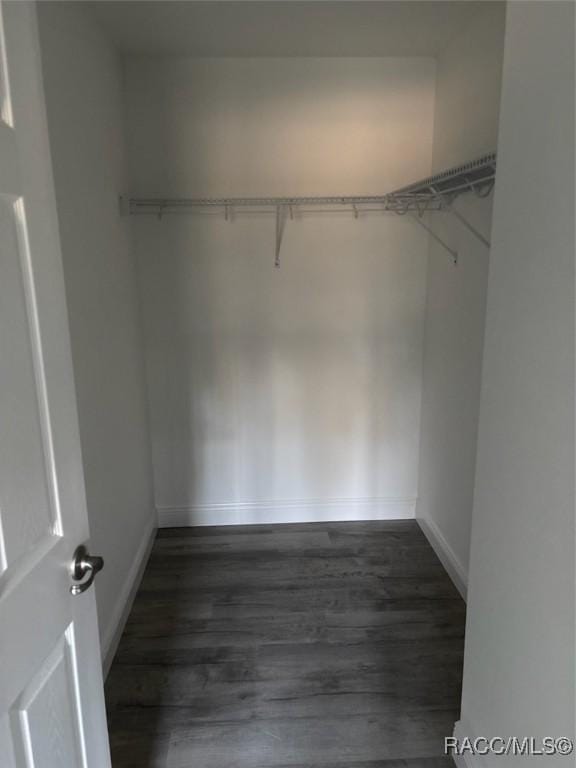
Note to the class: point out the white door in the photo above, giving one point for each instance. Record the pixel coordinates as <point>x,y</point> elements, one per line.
<point>51,695</point>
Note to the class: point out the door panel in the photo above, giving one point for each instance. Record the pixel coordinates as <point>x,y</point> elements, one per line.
<point>5,100</point>
<point>51,693</point>
<point>27,510</point>
<point>45,724</point>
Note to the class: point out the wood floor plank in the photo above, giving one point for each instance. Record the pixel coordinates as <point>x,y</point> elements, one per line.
<point>267,743</point>
<point>321,645</point>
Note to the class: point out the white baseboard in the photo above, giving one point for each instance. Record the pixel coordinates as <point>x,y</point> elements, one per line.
<point>462,730</point>
<point>126,595</point>
<point>287,511</point>
<point>446,554</point>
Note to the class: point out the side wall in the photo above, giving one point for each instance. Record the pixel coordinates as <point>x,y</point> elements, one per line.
<point>465,127</point>
<point>519,658</point>
<point>292,394</point>
<point>82,76</point>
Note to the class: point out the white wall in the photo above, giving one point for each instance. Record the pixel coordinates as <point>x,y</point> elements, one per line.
<point>519,659</point>
<point>83,84</point>
<point>273,127</point>
<point>292,394</point>
<point>469,72</point>
<point>465,127</point>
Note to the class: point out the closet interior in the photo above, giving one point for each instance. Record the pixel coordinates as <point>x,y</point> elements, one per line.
<point>275,222</point>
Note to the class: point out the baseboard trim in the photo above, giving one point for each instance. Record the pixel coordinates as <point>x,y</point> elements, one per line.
<point>287,511</point>
<point>446,554</point>
<point>461,731</point>
<point>113,632</point>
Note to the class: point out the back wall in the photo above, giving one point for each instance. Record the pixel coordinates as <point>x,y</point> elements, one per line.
<point>291,394</point>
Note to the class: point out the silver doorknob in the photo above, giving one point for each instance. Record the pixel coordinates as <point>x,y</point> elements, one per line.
<point>84,565</point>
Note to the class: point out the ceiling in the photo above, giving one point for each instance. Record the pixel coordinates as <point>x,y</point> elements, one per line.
<point>241,28</point>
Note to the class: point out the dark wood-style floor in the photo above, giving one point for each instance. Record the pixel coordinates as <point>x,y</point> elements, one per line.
<point>334,645</point>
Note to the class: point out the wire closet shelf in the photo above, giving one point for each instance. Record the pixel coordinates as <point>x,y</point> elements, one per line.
<point>436,193</point>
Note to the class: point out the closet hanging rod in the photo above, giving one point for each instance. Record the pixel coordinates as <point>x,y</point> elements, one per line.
<point>435,193</point>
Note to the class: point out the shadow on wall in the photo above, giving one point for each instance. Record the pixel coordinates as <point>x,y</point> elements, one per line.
<point>299,385</point>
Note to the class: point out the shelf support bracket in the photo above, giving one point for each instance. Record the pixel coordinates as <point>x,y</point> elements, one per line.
<point>438,239</point>
<point>449,206</point>
<point>280,224</point>
<point>470,227</point>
